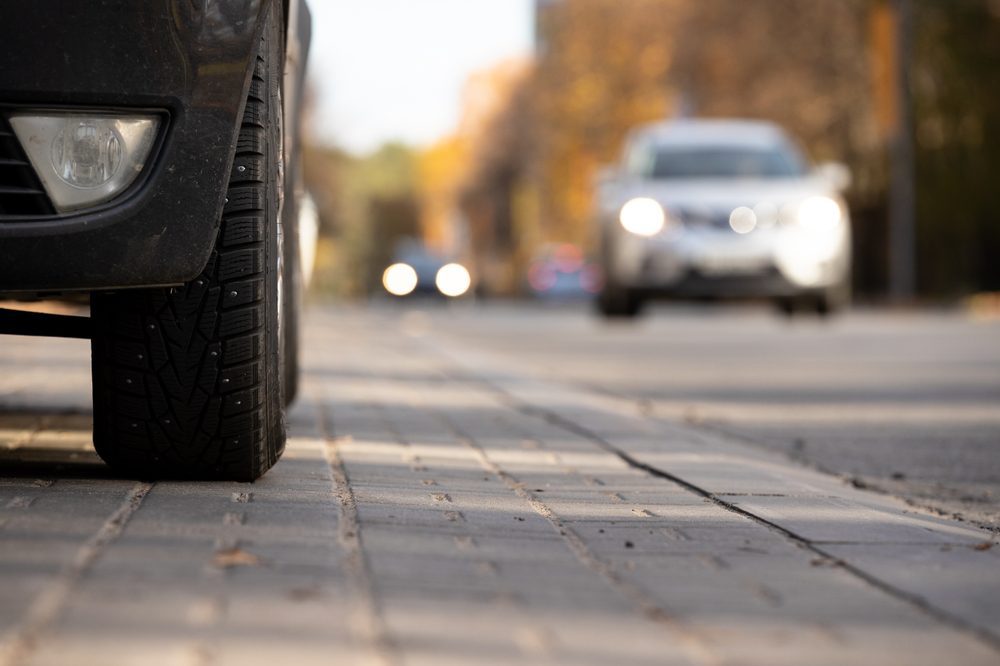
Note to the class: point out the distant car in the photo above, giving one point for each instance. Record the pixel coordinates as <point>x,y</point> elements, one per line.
<point>420,272</point>
<point>709,209</point>
<point>560,272</point>
<point>149,159</point>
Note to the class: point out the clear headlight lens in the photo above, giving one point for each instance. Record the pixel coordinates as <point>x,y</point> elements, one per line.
<point>453,280</point>
<point>399,279</point>
<point>83,160</point>
<point>643,217</point>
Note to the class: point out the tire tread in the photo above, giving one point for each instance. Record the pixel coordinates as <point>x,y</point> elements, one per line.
<point>179,373</point>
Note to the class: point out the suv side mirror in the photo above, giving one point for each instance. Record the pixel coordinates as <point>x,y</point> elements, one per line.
<point>835,173</point>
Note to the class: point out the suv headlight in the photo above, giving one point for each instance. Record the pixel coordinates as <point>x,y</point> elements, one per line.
<point>84,159</point>
<point>819,214</point>
<point>643,217</point>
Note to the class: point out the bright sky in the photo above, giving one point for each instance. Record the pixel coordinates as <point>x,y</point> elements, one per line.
<point>394,69</point>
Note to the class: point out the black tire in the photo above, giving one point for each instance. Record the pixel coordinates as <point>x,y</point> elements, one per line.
<point>187,380</point>
<point>824,304</point>
<point>615,302</point>
<point>787,306</point>
<point>834,301</point>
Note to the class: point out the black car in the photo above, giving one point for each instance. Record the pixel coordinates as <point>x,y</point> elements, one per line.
<point>149,158</point>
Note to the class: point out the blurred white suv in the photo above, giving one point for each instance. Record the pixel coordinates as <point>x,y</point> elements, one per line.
<point>722,209</point>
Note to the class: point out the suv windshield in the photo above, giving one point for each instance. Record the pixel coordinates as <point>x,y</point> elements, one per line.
<point>726,162</point>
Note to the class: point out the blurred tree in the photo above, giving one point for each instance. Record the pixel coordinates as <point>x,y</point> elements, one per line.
<point>441,171</point>
<point>957,98</point>
<point>469,182</point>
<point>498,130</point>
<point>604,70</point>
<point>366,205</point>
<point>800,63</point>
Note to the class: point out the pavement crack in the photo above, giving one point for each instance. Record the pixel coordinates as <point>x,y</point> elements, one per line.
<point>719,428</point>
<point>458,371</point>
<point>696,645</point>
<point>985,635</point>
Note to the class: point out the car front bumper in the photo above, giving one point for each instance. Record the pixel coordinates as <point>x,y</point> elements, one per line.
<point>191,64</point>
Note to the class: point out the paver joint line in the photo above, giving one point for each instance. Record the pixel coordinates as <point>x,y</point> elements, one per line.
<point>983,634</point>
<point>368,615</point>
<point>45,609</point>
<point>695,644</point>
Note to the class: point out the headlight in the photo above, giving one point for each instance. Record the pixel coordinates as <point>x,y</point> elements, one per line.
<point>399,279</point>
<point>83,160</point>
<point>816,238</point>
<point>643,217</point>
<point>453,280</point>
<point>819,213</point>
<point>743,220</point>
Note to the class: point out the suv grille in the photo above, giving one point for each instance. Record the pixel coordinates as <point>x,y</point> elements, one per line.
<point>700,218</point>
<point>21,193</point>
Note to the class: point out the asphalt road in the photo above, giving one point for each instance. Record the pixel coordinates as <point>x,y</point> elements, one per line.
<point>512,484</point>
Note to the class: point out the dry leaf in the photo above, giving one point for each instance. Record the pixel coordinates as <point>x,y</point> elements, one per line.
<point>234,557</point>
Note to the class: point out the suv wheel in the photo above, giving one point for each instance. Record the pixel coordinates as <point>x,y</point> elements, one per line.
<point>619,302</point>
<point>187,380</point>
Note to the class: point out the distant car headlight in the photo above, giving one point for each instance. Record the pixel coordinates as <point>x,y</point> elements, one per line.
<point>643,217</point>
<point>85,159</point>
<point>453,280</point>
<point>399,279</point>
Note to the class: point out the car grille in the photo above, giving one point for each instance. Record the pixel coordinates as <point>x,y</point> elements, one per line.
<point>699,218</point>
<point>21,193</point>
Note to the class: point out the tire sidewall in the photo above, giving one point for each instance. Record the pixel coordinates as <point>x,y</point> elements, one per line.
<point>274,441</point>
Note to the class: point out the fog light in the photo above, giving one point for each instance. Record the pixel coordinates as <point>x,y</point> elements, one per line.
<point>84,160</point>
